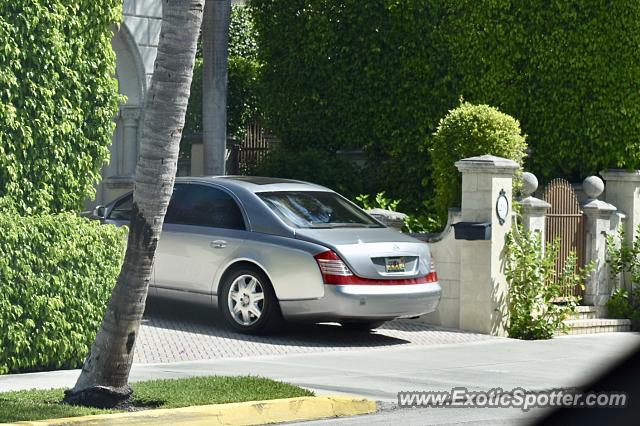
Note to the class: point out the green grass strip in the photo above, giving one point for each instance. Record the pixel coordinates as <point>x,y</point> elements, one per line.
<point>45,404</point>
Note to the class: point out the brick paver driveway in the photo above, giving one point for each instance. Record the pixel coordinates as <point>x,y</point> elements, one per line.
<point>174,332</point>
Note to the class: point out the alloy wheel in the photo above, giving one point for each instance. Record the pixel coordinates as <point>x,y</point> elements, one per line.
<point>246,300</point>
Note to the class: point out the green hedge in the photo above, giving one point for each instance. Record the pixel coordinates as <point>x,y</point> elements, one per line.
<point>379,75</point>
<point>469,131</point>
<point>56,276</point>
<point>356,74</point>
<point>313,165</point>
<point>568,69</point>
<point>58,97</point>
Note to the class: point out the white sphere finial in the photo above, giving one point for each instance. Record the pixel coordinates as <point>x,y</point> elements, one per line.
<point>529,184</point>
<point>593,186</point>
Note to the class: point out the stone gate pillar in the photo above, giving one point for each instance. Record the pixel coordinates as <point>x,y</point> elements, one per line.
<point>534,209</point>
<point>483,287</point>
<point>599,223</point>
<point>623,191</point>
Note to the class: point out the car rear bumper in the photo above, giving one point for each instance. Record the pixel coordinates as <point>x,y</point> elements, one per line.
<point>365,302</point>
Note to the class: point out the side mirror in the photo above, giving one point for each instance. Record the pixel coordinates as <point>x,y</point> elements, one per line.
<point>100,212</point>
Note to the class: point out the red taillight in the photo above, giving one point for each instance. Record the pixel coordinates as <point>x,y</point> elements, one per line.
<point>335,271</point>
<point>432,276</point>
<point>332,268</point>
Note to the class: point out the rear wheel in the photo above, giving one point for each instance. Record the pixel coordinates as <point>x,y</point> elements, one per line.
<point>247,301</point>
<point>361,325</point>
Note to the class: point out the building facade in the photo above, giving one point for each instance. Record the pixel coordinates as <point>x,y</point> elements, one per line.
<point>135,44</point>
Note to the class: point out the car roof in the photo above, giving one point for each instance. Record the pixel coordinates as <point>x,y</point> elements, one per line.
<point>256,184</point>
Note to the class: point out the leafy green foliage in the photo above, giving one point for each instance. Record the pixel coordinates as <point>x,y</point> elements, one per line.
<point>619,305</point>
<point>242,76</point>
<point>623,258</point>
<point>418,223</point>
<point>533,289</point>
<point>58,98</point>
<point>468,131</point>
<point>379,75</point>
<point>313,165</point>
<point>422,223</point>
<point>568,69</point>
<point>351,74</point>
<point>39,404</point>
<point>56,276</point>
<point>625,304</point>
<point>380,202</point>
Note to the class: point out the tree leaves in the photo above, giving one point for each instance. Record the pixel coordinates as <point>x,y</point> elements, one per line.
<point>58,97</point>
<point>535,286</point>
<point>56,276</point>
<point>468,131</point>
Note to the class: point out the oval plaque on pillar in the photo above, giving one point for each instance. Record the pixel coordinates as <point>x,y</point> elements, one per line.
<point>502,207</point>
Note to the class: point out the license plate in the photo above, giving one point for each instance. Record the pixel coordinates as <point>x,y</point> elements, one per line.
<point>394,264</point>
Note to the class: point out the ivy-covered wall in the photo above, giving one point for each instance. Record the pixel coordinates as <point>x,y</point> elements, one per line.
<point>380,74</point>
<point>569,70</point>
<point>351,74</point>
<point>58,97</point>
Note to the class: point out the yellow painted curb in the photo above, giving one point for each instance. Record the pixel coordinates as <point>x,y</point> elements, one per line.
<point>239,413</point>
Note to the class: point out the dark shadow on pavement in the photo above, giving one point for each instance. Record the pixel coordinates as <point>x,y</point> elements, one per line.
<point>181,316</point>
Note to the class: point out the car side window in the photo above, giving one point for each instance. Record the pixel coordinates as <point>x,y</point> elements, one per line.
<point>201,205</point>
<point>122,209</point>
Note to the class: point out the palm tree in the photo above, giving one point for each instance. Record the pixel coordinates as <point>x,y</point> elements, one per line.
<point>215,41</point>
<point>104,378</point>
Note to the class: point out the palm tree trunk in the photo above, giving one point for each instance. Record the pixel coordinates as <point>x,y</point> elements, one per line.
<point>215,41</point>
<point>105,374</point>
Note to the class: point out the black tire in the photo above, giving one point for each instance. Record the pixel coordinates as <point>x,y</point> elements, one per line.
<point>361,325</point>
<point>270,317</point>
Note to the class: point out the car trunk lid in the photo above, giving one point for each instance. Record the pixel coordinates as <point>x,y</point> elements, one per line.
<point>375,253</point>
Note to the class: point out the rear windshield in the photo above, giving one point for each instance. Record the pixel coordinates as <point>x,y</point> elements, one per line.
<point>314,209</point>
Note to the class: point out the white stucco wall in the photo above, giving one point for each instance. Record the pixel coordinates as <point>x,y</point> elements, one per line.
<point>446,255</point>
<point>143,19</point>
<point>135,43</point>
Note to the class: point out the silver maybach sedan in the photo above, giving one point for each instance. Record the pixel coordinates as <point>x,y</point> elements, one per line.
<point>262,249</point>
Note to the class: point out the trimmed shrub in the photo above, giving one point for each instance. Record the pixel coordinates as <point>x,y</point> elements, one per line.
<point>56,276</point>
<point>468,131</point>
<point>58,98</point>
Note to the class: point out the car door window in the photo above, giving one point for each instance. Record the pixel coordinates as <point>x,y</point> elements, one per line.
<point>122,209</point>
<point>201,205</point>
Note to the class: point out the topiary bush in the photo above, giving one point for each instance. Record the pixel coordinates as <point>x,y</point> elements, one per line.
<point>468,131</point>
<point>568,69</point>
<point>58,97</point>
<point>56,276</point>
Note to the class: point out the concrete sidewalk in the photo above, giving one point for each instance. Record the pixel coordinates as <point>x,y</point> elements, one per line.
<point>381,373</point>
